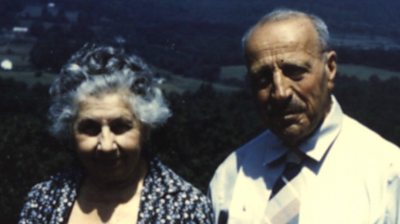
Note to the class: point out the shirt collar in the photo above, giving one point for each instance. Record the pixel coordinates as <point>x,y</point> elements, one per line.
<point>316,146</point>
<point>275,148</point>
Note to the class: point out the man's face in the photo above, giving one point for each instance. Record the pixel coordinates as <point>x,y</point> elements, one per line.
<point>291,77</point>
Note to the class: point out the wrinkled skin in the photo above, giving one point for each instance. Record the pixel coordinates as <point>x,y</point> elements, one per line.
<point>108,139</point>
<point>291,76</point>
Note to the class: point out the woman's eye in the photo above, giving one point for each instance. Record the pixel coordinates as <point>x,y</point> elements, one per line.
<point>89,127</point>
<point>120,126</point>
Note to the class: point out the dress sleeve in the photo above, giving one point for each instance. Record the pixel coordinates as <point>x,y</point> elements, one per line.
<point>30,212</point>
<point>50,201</point>
<point>202,211</point>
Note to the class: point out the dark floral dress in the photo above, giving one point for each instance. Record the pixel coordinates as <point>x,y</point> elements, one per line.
<point>165,198</point>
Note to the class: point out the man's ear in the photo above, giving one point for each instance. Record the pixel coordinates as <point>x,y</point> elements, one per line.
<point>330,68</point>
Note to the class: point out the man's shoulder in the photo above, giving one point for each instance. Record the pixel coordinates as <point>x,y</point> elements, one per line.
<point>237,158</point>
<point>356,133</point>
<point>237,166</point>
<point>358,141</point>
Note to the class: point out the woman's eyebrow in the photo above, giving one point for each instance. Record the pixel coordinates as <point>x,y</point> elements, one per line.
<point>86,119</point>
<point>122,118</point>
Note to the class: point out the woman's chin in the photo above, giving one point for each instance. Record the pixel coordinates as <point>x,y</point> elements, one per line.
<point>108,173</point>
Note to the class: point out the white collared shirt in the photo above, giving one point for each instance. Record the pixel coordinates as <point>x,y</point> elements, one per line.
<point>353,176</point>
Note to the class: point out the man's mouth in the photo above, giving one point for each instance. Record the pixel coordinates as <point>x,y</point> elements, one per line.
<point>287,112</point>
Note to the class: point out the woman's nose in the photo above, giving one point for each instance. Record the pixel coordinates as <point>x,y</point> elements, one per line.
<point>106,139</point>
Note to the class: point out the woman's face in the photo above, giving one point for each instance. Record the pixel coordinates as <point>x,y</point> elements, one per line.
<point>108,138</point>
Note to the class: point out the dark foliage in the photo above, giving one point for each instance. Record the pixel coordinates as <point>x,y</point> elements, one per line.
<point>205,128</point>
<point>55,46</point>
<point>7,11</point>
<point>28,153</point>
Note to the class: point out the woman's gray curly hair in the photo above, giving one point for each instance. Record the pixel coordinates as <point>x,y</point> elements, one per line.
<point>96,70</point>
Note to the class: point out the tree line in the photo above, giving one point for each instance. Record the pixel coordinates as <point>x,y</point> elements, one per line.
<point>206,126</point>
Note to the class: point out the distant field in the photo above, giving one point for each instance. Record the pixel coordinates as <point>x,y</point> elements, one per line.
<point>233,72</point>
<point>173,83</point>
<point>180,84</point>
<point>28,77</point>
<point>177,83</point>
<point>360,71</point>
<point>17,53</point>
<point>364,72</point>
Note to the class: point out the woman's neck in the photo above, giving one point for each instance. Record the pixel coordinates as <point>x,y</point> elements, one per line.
<point>110,202</point>
<point>118,191</point>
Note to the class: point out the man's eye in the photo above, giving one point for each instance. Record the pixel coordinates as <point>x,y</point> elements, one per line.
<point>262,79</point>
<point>120,126</point>
<point>89,127</point>
<point>294,72</point>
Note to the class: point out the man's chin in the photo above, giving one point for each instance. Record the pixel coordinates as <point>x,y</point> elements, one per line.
<point>290,134</point>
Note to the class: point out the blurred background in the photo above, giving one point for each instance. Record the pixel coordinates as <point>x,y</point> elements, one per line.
<point>195,46</point>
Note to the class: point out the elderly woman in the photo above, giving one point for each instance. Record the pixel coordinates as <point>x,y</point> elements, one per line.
<point>105,102</point>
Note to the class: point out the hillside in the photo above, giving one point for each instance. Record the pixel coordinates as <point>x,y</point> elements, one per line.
<point>195,38</point>
<point>172,82</point>
<point>361,72</point>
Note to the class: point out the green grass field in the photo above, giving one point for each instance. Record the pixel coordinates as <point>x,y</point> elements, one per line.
<point>19,53</point>
<point>360,71</point>
<point>173,83</point>
<point>180,84</point>
<point>28,77</point>
<point>365,72</point>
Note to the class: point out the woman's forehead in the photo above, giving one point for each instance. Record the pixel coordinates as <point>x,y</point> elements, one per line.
<point>105,106</point>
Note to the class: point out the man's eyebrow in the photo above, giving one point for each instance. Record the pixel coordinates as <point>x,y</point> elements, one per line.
<point>259,70</point>
<point>305,64</point>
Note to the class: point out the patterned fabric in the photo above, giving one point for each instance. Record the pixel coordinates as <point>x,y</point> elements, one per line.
<point>165,198</point>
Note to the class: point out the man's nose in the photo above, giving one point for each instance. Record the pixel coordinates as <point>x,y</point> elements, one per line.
<point>280,87</point>
<point>106,139</point>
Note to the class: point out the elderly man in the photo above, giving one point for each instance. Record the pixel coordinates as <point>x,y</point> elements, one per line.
<point>314,164</point>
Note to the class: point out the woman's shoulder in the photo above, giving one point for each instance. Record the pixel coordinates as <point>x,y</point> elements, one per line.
<point>166,178</point>
<point>59,189</point>
<point>166,191</point>
<point>58,181</point>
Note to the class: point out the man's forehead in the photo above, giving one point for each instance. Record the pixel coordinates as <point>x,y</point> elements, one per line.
<point>289,35</point>
<point>276,50</point>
